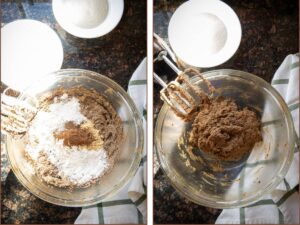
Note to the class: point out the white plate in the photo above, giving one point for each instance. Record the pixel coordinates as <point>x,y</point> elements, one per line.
<point>204,33</point>
<point>29,49</point>
<point>74,25</point>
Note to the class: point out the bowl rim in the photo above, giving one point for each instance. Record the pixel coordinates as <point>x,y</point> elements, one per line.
<point>276,180</point>
<point>116,188</point>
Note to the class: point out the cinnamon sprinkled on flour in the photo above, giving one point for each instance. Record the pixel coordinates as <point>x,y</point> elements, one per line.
<point>74,139</point>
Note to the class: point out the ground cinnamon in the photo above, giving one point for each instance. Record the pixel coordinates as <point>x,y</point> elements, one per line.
<point>74,135</point>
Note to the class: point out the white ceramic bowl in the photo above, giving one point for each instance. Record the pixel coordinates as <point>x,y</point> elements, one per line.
<point>29,49</point>
<point>76,18</point>
<point>204,33</point>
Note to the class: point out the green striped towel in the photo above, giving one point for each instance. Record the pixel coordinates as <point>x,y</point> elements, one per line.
<point>282,205</point>
<point>130,204</point>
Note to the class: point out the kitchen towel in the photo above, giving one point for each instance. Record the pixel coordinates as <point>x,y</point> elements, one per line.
<point>130,204</point>
<point>282,205</point>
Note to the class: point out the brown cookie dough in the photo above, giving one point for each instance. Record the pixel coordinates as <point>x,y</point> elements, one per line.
<point>224,131</point>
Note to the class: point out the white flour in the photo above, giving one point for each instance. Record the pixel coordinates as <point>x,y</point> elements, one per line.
<point>78,165</point>
<point>84,13</point>
<point>207,33</point>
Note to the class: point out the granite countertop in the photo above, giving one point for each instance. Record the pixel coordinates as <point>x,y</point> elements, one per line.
<point>269,34</point>
<point>115,55</point>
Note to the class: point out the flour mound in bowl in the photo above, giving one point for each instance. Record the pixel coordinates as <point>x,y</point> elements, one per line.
<point>74,139</point>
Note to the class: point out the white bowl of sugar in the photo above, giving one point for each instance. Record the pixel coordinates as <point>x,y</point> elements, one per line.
<point>204,33</point>
<point>88,18</point>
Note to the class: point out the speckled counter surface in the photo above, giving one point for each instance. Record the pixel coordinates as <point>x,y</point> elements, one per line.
<point>269,34</point>
<point>115,55</point>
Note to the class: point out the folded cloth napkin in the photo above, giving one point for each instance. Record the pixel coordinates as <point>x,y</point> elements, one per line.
<point>130,204</point>
<point>282,205</point>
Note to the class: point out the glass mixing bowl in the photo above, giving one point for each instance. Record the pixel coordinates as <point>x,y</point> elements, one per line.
<point>234,184</point>
<point>130,150</point>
